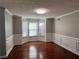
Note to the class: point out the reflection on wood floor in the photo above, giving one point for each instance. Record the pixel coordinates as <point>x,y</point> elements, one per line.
<point>40,50</point>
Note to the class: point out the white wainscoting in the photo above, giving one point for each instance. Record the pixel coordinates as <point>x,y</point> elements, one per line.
<point>69,43</point>
<point>9,45</point>
<point>17,39</point>
<point>26,39</point>
<point>48,37</point>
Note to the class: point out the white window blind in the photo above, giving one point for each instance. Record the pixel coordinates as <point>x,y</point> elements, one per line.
<point>32,27</point>
<point>24,28</point>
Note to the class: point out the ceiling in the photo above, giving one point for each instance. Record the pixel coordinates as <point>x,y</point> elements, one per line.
<point>26,7</point>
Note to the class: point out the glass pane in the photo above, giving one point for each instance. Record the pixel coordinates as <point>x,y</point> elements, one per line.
<point>41,28</point>
<point>24,28</point>
<point>32,25</point>
<point>33,29</point>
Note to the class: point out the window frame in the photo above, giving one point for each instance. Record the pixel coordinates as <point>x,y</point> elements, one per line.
<point>28,21</point>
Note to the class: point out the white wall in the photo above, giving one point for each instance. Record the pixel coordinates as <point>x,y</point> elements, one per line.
<point>8,32</point>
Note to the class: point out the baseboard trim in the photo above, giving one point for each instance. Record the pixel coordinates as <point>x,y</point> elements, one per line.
<point>9,51</point>
<point>66,48</point>
<point>2,57</point>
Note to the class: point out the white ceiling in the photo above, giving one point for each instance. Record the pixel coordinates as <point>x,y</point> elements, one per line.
<point>26,7</point>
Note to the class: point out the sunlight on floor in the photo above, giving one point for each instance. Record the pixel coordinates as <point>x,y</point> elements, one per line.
<point>32,52</point>
<point>41,56</point>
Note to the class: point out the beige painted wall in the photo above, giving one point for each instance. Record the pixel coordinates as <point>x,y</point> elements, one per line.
<point>49,28</point>
<point>68,25</point>
<point>17,25</point>
<point>50,25</point>
<point>17,29</point>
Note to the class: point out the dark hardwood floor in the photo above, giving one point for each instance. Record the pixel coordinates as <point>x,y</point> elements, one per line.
<point>40,50</point>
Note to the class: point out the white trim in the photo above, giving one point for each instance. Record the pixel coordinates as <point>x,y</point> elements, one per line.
<point>27,39</point>
<point>68,36</point>
<point>2,57</point>
<point>8,11</point>
<point>8,40</point>
<point>17,39</point>
<point>9,51</point>
<point>67,14</point>
<point>72,47</point>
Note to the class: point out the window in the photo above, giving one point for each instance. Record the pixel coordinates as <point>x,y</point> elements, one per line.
<point>41,28</point>
<point>24,28</point>
<point>32,27</point>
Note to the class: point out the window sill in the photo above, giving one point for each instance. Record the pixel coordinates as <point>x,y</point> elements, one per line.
<point>29,36</point>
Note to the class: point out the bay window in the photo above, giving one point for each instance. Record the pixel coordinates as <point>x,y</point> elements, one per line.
<point>32,27</point>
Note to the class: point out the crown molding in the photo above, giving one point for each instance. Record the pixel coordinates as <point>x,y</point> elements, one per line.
<point>8,11</point>
<point>67,14</point>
